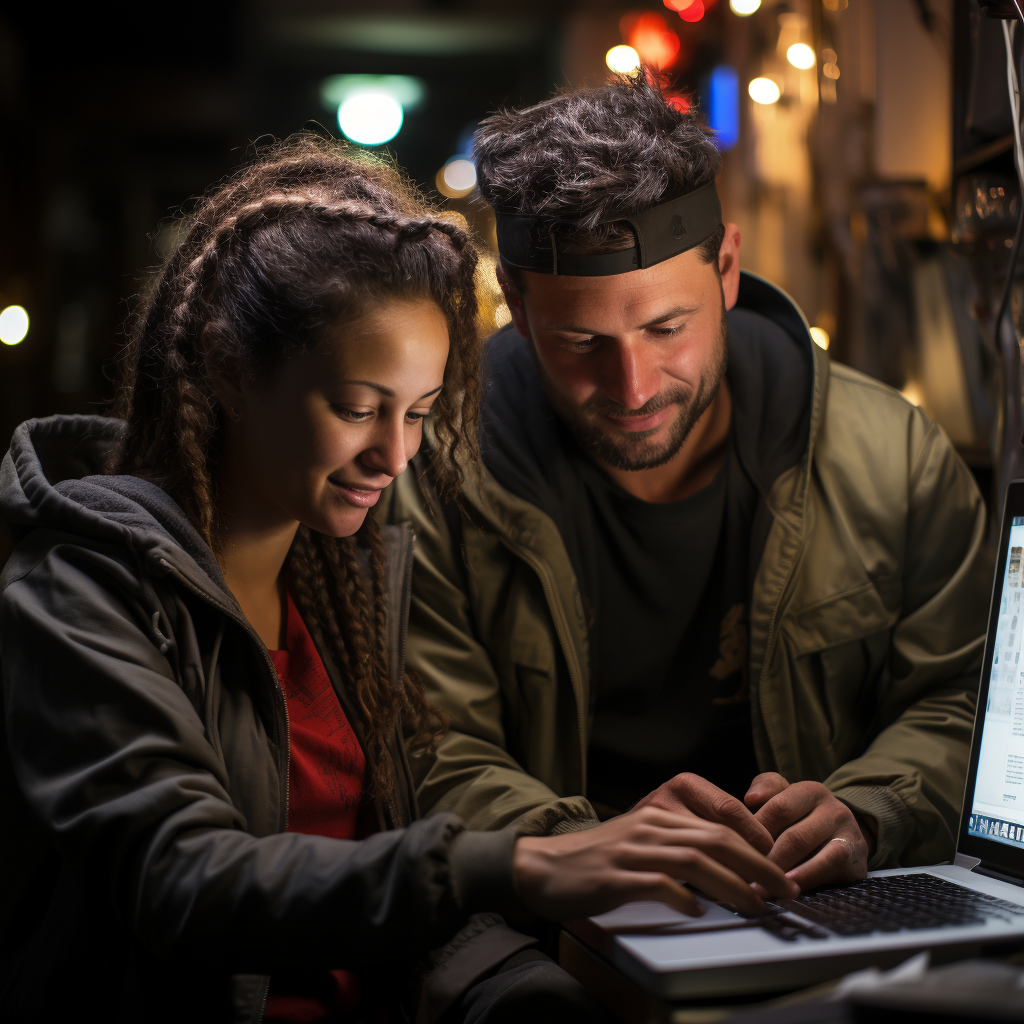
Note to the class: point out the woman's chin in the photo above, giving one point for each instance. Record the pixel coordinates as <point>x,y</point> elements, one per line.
<point>345,523</point>
<point>341,522</point>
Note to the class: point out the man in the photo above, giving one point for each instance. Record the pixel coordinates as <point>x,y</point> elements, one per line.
<point>701,566</point>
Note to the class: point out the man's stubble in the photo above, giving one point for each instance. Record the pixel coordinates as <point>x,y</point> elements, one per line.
<point>636,452</point>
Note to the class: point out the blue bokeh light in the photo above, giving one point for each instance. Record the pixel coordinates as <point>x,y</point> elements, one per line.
<point>723,105</point>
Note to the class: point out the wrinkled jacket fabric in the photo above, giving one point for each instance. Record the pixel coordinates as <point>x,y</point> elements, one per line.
<point>867,620</point>
<point>147,873</point>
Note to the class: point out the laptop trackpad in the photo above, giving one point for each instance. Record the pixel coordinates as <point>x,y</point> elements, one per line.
<point>659,919</point>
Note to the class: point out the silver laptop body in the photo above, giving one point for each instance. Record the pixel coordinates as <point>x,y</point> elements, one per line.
<point>955,909</point>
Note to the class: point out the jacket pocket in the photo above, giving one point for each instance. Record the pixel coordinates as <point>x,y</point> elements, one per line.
<point>872,607</point>
<point>837,652</point>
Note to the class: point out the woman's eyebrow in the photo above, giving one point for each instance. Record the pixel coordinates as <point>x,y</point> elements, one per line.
<point>386,390</point>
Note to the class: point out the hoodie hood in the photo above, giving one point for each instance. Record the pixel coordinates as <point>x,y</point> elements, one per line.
<point>52,478</point>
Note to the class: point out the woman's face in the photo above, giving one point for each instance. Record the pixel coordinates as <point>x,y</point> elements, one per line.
<point>333,427</point>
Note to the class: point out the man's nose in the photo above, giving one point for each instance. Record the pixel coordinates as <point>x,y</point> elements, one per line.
<point>631,375</point>
<point>387,452</point>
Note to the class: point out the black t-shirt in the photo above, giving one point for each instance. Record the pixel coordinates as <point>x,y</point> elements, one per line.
<point>666,586</point>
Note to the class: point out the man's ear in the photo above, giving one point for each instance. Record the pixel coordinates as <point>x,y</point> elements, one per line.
<point>729,265</point>
<point>514,300</point>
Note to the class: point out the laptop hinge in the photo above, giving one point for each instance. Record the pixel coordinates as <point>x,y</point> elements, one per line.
<point>998,874</point>
<point>962,860</point>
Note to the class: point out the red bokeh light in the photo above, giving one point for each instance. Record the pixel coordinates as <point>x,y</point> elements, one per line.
<point>679,101</point>
<point>648,33</point>
<point>694,12</point>
<point>678,5</point>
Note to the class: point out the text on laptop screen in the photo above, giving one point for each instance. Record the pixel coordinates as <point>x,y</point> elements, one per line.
<point>997,810</point>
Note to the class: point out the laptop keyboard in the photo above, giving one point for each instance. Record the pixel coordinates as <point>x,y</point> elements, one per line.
<point>897,903</point>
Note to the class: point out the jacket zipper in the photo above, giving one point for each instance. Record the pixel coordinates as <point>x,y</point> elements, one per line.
<point>575,670</point>
<point>286,746</point>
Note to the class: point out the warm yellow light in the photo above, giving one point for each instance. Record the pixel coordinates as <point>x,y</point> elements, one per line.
<point>800,55</point>
<point>912,393</point>
<point>744,7</point>
<point>458,177</point>
<point>819,337</point>
<point>502,316</point>
<point>13,325</point>
<point>622,59</point>
<point>764,90</point>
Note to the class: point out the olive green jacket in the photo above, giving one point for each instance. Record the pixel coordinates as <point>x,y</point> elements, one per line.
<point>867,622</point>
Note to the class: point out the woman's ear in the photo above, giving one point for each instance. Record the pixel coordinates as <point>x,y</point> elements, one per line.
<point>224,373</point>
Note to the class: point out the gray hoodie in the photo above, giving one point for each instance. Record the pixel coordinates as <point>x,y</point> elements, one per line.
<point>144,773</point>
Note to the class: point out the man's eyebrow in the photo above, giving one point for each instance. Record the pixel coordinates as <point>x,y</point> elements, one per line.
<point>386,390</point>
<point>669,315</point>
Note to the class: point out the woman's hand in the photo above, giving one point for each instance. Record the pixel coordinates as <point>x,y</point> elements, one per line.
<point>643,855</point>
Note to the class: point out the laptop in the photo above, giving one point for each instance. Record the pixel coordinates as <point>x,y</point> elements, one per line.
<point>954,910</point>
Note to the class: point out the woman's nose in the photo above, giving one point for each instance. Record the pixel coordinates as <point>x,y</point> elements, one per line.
<point>387,454</point>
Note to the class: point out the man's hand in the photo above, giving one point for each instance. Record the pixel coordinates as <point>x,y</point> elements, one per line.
<point>688,792</point>
<point>643,855</point>
<point>817,840</point>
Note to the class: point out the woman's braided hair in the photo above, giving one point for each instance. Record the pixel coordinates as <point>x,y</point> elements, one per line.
<point>308,234</point>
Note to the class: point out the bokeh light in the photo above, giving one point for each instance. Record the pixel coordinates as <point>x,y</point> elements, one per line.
<point>744,8</point>
<point>677,5</point>
<point>820,337</point>
<point>694,12</point>
<point>723,106</point>
<point>13,325</point>
<point>622,59</point>
<point>764,90</point>
<point>648,33</point>
<point>800,55</point>
<point>371,118</point>
<point>912,392</point>
<point>457,178</point>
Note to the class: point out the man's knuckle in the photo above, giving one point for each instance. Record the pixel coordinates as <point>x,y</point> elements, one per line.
<point>726,806</point>
<point>687,856</point>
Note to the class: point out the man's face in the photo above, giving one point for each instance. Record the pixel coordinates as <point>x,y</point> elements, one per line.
<point>631,361</point>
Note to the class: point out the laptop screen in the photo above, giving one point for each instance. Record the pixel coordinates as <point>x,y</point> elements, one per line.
<point>997,805</point>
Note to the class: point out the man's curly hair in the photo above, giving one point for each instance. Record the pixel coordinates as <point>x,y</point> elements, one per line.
<point>573,159</point>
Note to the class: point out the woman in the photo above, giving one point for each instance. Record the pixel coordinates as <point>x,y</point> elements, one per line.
<point>210,813</point>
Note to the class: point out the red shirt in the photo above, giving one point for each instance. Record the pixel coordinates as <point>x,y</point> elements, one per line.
<point>325,789</point>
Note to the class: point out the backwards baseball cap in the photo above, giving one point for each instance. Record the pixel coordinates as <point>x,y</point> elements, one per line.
<point>526,242</point>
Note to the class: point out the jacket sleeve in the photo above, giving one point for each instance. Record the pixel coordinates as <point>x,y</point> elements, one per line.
<point>113,759</point>
<point>472,774</point>
<point>910,780</point>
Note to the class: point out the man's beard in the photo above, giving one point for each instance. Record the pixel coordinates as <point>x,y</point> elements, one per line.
<point>635,450</point>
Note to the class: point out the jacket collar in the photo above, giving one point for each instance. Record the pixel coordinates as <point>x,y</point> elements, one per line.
<point>769,300</point>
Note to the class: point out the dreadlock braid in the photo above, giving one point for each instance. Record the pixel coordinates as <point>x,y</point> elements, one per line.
<point>309,234</point>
